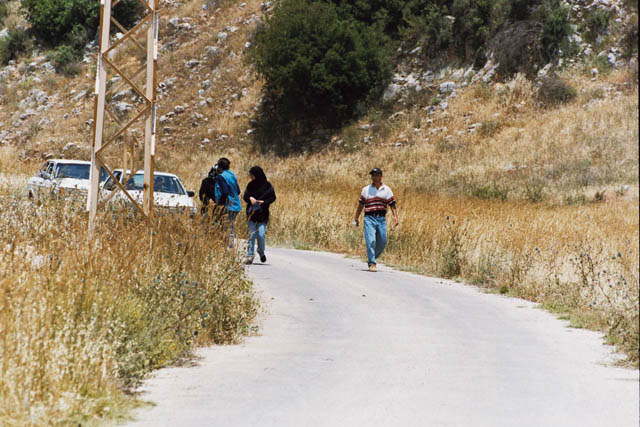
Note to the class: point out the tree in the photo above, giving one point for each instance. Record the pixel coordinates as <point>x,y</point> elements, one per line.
<point>319,64</point>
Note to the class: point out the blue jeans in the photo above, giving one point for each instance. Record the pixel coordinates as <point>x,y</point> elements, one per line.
<point>230,225</point>
<point>375,236</point>
<point>257,230</point>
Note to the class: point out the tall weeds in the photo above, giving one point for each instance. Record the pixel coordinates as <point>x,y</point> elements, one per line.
<point>83,318</point>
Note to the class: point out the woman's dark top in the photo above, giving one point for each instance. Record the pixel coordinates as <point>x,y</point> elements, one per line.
<point>259,189</point>
<point>207,192</point>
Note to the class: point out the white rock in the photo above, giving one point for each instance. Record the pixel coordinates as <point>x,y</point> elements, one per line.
<point>474,127</point>
<point>468,74</point>
<point>178,109</point>
<point>212,51</point>
<point>489,75</point>
<point>544,71</point>
<point>192,63</point>
<point>457,75</point>
<point>123,107</point>
<point>82,94</point>
<point>222,36</point>
<point>174,22</point>
<point>447,87</point>
<point>428,76</point>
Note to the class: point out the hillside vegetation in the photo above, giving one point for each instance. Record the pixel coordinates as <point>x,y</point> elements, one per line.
<point>518,175</point>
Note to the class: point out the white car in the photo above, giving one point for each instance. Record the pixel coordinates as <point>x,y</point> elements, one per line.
<point>168,190</point>
<point>61,177</point>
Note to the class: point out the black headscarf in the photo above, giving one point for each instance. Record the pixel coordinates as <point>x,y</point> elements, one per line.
<point>261,189</point>
<point>260,177</point>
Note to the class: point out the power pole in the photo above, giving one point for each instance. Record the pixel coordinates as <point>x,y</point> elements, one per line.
<point>148,97</point>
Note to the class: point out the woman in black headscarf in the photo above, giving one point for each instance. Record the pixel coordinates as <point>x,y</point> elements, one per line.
<point>258,195</point>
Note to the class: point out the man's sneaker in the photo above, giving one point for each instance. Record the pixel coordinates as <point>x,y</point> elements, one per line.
<point>263,258</point>
<point>248,261</point>
<point>373,268</point>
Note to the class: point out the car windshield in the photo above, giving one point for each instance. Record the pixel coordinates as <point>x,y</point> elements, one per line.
<point>161,184</point>
<point>103,175</point>
<point>73,170</point>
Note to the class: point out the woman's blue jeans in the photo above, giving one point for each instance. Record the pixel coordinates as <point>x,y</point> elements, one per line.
<point>375,236</point>
<point>257,230</point>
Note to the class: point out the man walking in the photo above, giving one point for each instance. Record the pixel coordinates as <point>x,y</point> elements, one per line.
<point>374,199</point>
<point>227,194</point>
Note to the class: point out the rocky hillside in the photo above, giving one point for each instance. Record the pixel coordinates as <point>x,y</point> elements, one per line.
<point>208,94</point>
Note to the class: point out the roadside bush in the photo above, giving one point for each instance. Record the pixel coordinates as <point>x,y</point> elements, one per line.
<point>13,45</point>
<point>86,317</point>
<point>318,65</point>
<point>554,91</point>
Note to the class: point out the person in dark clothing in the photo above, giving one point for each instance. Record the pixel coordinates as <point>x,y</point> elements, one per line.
<point>207,189</point>
<point>258,195</point>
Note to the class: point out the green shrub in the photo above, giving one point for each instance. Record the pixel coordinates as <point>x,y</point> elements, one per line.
<point>387,14</point>
<point>629,40</point>
<point>520,10</point>
<point>518,49</point>
<point>428,26</point>
<point>554,91</point>
<point>319,65</point>
<point>13,45</point>
<point>490,192</point>
<point>53,20</point>
<point>4,11</point>
<point>554,16</point>
<point>596,23</point>
<point>475,22</point>
<point>64,59</point>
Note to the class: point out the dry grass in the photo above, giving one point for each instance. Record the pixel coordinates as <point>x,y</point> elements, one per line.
<point>83,319</point>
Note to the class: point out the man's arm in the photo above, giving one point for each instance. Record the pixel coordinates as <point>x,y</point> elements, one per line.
<point>394,210</point>
<point>356,218</point>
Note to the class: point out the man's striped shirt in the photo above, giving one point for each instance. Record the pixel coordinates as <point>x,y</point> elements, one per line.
<point>376,200</point>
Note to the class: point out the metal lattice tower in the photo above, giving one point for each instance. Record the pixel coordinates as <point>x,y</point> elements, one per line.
<point>119,128</point>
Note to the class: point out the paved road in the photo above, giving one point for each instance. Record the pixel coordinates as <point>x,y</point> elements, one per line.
<point>340,346</point>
